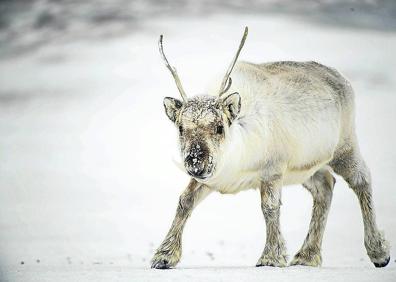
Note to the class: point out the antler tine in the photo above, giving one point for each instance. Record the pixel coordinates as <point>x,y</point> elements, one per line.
<point>227,77</point>
<point>228,86</point>
<point>172,70</point>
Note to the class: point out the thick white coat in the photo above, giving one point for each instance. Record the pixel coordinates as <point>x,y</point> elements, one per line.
<point>289,118</point>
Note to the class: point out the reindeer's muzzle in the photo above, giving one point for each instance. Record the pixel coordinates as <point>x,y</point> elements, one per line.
<point>197,161</point>
<point>194,167</point>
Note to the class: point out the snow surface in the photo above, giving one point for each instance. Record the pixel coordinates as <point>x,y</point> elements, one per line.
<point>88,188</point>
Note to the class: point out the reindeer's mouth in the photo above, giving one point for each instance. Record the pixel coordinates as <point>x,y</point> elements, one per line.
<point>202,177</point>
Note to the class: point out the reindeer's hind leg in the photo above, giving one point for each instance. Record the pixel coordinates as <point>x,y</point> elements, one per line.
<point>321,187</point>
<point>349,164</point>
<point>169,253</point>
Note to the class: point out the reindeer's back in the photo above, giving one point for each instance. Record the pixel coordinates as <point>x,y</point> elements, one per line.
<point>304,75</point>
<point>296,87</point>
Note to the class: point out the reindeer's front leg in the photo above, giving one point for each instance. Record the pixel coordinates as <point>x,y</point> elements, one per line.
<point>169,253</point>
<point>274,253</point>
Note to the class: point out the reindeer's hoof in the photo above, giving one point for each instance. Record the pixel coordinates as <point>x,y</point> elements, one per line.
<point>163,260</point>
<point>382,264</point>
<point>267,260</point>
<point>378,250</point>
<point>160,264</point>
<point>307,259</point>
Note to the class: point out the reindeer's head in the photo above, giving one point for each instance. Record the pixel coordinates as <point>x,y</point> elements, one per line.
<point>202,121</point>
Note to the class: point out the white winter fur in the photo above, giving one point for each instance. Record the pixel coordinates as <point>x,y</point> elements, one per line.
<point>282,122</point>
<point>296,121</point>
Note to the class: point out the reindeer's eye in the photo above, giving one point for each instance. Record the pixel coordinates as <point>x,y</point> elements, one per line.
<point>219,129</point>
<point>181,130</point>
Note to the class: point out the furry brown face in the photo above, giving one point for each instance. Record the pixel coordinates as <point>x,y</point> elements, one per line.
<point>203,123</point>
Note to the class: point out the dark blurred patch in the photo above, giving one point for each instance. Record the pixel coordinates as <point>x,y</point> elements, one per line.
<point>46,19</point>
<point>52,59</point>
<point>10,98</point>
<point>371,79</point>
<point>27,25</point>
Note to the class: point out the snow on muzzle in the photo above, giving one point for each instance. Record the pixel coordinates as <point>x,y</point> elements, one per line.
<point>198,161</point>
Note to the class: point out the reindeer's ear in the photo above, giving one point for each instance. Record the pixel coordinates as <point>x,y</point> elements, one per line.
<point>232,105</point>
<point>172,107</point>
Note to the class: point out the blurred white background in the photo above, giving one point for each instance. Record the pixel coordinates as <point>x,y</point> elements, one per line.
<point>88,188</point>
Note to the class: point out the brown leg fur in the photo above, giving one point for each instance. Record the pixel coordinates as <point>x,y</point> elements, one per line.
<point>274,253</point>
<point>169,252</point>
<point>350,165</point>
<point>320,185</point>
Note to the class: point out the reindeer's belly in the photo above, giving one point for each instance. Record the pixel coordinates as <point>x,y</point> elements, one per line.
<point>293,177</point>
<point>244,181</point>
<point>234,181</point>
<point>299,173</point>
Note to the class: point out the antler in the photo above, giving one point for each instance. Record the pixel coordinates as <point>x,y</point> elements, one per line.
<point>224,86</point>
<point>172,70</point>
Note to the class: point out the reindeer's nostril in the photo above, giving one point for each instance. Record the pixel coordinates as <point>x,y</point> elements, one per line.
<point>196,171</point>
<point>189,159</point>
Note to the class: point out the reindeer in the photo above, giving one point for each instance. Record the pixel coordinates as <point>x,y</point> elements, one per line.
<point>271,125</point>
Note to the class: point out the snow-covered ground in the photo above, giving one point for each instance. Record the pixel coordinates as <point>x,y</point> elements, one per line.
<point>88,188</point>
